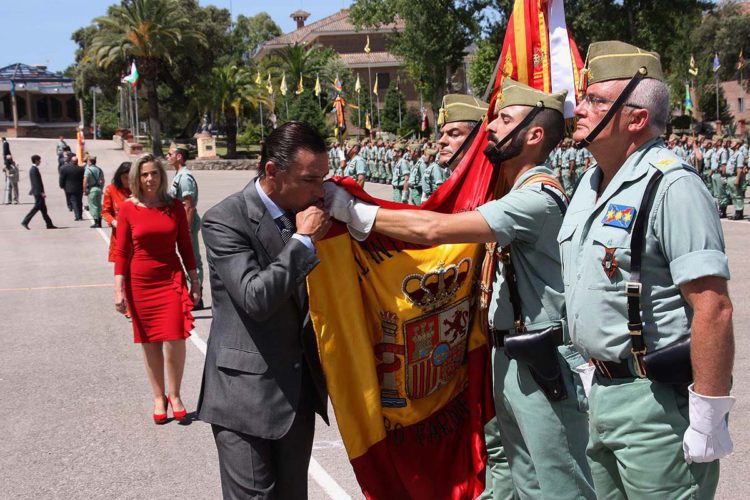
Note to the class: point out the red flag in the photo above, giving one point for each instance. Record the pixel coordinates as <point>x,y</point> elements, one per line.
<point>532,37</point>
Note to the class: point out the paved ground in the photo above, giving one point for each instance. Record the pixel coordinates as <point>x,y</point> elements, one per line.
<point>73,391</point>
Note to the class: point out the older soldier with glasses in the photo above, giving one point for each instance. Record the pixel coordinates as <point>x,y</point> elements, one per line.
<point>645,275</point>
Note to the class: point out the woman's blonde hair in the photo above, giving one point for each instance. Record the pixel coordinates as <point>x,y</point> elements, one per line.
<point>135,178</point>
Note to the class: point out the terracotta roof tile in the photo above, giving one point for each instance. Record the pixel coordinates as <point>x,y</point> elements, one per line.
<point>336,23</point>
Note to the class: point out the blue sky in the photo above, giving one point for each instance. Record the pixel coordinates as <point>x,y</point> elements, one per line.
<point>38,31</point>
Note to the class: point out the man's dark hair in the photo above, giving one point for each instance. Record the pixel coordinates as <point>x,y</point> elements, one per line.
<point>184,153</point>
<point>553,123</point>
<point>124,168</point>
<point>35,158</point>
<point>283,144</point>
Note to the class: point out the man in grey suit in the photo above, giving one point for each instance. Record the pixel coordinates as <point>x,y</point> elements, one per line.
<point>262,382</point>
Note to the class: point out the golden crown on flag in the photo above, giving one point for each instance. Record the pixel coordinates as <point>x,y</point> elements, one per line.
<point>436,288</point>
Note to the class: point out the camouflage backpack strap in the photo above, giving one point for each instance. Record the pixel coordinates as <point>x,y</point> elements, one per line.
<point>492,254</point>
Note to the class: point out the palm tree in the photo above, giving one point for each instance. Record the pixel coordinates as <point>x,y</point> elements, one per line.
<point>230,89</point>
<point>149,32</point>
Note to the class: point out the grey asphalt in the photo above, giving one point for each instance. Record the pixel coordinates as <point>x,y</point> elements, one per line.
<point>74,396</point>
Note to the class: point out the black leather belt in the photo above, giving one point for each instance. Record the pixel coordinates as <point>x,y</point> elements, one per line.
<point>612,369</point>
<point>497,337</point>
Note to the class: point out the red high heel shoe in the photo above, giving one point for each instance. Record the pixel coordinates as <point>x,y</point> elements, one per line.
<point>178,415</point>
<point>160,418</point>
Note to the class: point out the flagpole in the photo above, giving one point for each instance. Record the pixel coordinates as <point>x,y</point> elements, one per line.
<point>359,113</point>
<point>717,97</point>
<point>369,83</point>
<point>137,127</point>
<point>260,107</point>
<point>378,107</point>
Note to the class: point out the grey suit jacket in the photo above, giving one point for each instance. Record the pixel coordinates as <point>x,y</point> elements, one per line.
<point>262,343</point>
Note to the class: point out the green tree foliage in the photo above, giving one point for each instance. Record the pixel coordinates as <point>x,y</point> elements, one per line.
<point>395,104</point>
<point>250,33</point>
<point>149,32</point>
<point>305,108</point>
<point>432,46</point>
<point>483,65</point>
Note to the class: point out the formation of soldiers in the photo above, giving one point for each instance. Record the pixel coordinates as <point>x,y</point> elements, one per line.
<point>723,165</point>
<point>410,167</point>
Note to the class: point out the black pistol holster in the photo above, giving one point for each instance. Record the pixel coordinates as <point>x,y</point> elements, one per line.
<point>538,350</point>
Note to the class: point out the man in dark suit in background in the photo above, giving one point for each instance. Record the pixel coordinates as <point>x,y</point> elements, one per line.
<point>262,382</point>
<point>6,147</point>
<point>71,181</point>
<point>37,190</point>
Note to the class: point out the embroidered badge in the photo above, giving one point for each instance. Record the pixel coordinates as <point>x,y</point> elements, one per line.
<point>609,262</point>
<point>619,216</point>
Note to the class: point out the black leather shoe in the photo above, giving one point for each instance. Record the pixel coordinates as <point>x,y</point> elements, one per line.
<point>199,306</point>
<point>26,226</point>
<point>52,227</point>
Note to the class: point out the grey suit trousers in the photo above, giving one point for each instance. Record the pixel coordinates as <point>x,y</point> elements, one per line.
<point>257,468</point>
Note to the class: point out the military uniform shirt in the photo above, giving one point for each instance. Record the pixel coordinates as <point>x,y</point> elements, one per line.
<point>432,179</point>
<point>355,167</point>
<point>520,218</point>
<point>184,185</point>
<point>683,242</point>
<point>735,161</point>
<point>400,171</point>
<point>720,157</point>
<point>568,156</point>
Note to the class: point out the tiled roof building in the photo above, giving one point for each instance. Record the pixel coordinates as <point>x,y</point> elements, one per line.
<point>45,102</point>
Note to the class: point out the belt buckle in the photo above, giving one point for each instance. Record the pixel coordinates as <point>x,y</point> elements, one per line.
<point>633,288</point>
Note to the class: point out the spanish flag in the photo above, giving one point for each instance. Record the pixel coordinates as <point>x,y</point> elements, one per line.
<point>405,358</point>
<point>538,50</point>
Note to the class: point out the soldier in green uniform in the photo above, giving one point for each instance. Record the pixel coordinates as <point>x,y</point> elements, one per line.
<point>369,154</point>
<point>433,175</point>
<point>743,174</point>
<point>544,432</point>
<point>388,161</point>
<point>652,435</point>
<point>356,167</point>
<point>185,189</point>
<point>734,170</point>
<point>457,117</point>
<point>718,176</point>
<point>568,167</point>
<point>401,172</point>
<point>415,176</point>
<point>93,184</point>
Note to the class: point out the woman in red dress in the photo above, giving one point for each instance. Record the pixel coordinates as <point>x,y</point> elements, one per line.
<point>148,275</point>
<point>114,195</point>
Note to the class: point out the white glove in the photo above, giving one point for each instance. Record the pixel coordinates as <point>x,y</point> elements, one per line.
<point>358,215</point>
<point>707,439</point>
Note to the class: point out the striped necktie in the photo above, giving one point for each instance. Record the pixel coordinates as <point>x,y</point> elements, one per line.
<point>286,224</point>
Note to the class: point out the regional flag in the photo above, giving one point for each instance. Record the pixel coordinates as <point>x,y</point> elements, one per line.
<point>538,50</point>
<point>283,88</point>
<point>693,68</point>
<point>688,99</point>
<point>318,89</point>
<point>740,61</point>
<point>357,85</point>
<point>300,87</point>
<point>133,77</point>
<point>375,87</point>
<point>402,348</point>
<point>716,64</point>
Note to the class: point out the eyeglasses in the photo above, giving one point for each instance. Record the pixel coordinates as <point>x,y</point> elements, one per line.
<point>595,101</point>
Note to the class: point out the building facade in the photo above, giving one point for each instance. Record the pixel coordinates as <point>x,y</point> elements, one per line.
<point>45,103</point>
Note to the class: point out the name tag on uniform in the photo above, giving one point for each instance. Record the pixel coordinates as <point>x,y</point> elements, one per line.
<point>619,216</point>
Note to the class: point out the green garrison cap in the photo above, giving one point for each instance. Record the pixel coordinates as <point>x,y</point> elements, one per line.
<point>430,152</point>
<point>461,108</point>
<point>615,60</point>
<point>351,143</point>
<point>514,93</point>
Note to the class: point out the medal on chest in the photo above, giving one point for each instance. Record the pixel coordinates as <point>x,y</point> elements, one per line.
<point>609,262</point>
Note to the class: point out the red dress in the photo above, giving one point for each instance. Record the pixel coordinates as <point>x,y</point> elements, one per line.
<point>155,285</point>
